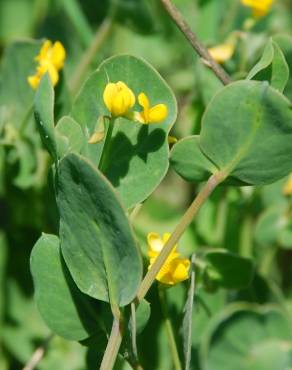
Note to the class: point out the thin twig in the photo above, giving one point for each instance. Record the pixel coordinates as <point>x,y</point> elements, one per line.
<point>113,345</point>
<point>134,330</point>
<point>38,354</point>
<point>194,41</point>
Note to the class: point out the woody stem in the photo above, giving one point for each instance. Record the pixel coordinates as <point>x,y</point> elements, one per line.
<point>187,218</point>
<point>200,49</point>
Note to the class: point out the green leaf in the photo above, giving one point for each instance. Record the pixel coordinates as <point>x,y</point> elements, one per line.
<point>66,310</point>
<point>271,67</point>
<point>69,136</point>
<point>189,162</point>
<point>247,132</point>
<point>44,114</point>
<point>270,224</point>
<point>96,239</point>
<point>138,157</point>
<point>143,312</point>
<point>229,270</point>
<point>248,337</point>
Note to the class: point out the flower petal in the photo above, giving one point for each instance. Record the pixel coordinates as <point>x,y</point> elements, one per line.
<point>157,113</point>
<point>155,243</point>
<point>58,55</point>
<point>109,94</point>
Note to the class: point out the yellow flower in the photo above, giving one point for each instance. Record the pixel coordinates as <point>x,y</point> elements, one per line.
<point>223,52</point>
<point>50,59</point>
<point>287,189</point>
<point>175,269</point>
<point>154,114</point>
<point>118,98</point>
<point>259,7</point>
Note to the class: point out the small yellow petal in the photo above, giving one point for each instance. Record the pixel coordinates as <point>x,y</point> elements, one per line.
<point>44,51</point>
<point>58,55</point>
<point>54,75</point>
<point>96,137</point>
<point>222,53</point>
<point>157,113</point>
<point>143,101</point>
<point>171,139</point>
<point>34,81</point>
<point>155,243</point>
<point>180,269</point>
<point>259,7</point>
<point>109,94</point>
<point>149,114</point>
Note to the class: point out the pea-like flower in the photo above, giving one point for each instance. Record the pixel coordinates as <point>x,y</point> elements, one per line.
<point>223,52</point>
<point>259,7</point>
<point>175,269</point>
<point>51,60</point>
<point>118,98</point>
<point>154,114</point>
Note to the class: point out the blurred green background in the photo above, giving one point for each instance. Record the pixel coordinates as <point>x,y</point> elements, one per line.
<point>243,329</point>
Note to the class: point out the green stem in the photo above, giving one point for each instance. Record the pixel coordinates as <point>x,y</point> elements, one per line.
<point>97,41</point>
<point>113,345</point>
<point>169,330</point>
<point>246,236</point>
<point>134,330</point>
<point>114,342</point>
<point>185,221</point>
<point>267,261</point>
<point>107,144</point>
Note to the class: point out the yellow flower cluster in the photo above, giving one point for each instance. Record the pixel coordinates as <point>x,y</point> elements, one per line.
<point>120,99</point>
<point>50,59</point>
<point>175,269</point>
<point>259,7</point>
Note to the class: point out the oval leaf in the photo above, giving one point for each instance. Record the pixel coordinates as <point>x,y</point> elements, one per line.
<point>247,132</point>
<point>44,114</point>
<point>271,67</point>
<point>248,338</point>
<point>96,238</point>
<point>139,153</point>
<point>189,162</point>
<point>66,310</point>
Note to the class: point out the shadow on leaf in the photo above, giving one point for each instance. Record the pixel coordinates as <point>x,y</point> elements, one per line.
<point>123,151</point>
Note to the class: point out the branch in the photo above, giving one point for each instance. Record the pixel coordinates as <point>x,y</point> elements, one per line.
<point>38,354</point>
<point>185,221</point>
<point>114,343</point>
<point>194,41</point>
